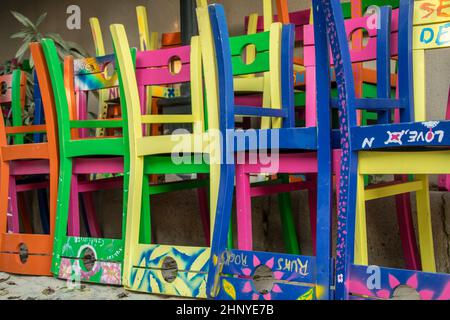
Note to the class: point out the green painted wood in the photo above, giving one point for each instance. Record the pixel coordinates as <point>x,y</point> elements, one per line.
<point>96,124</point>
<point>177,186</point>
<point>105,250</point>
<point>145,229</point>
<point>287,219</point>
<point>16,105</point>
<point>165,165</point>
<point>261,62</point>
<point>260,40</point>
<point>92,147</point>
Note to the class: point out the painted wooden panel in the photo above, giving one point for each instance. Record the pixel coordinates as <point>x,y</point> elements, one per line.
<point>431,11</point>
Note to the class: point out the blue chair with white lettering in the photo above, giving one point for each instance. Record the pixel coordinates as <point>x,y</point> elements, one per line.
<point>404,147</point>
<point>231,272</point>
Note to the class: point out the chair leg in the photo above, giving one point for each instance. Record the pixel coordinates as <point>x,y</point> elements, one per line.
<point>133,181</point>
<point>424,224</point>
<point>145,234</point>
<point>13,212</point>
<point>312,202</point>
<point>60,213</point>
<point>407,234</point>
<point>24,213</point>
<point>337,171</point>
<point>43,210</point>
<point>287,220</point>
<point>243,209</point>
<point>74,216</point>
<point>202,194</point>
<point>361,254</point>
<point>94,227</point>
<point>4,192</point>
<point>230,241</point>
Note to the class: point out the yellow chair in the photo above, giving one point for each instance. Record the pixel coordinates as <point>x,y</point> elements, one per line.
<point>143,261</point>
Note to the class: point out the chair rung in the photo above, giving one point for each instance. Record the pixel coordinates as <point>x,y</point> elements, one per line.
<point>259,112</point>
<point>168,118</point>
<point>97,123</point>
<point>392,190</point>
<point>378,104</point>
<point>372,104</point>
<point>265,190</point>
<point>26,129</point>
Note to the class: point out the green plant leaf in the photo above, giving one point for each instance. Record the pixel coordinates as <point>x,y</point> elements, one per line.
<point>31,61</point>
<point>23,48</point>
<point>23,20</point>
<point>21,34</point>
<point>41,19</point>
<point>58,40</point>
<point>76,47</point>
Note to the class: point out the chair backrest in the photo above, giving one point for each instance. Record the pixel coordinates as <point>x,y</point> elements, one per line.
<point>358,54</point>
<point>88,75</point>
<point>431,31</point>
<point>147,40</point>
<point>12,93</point>
<point>169,67</point>
<point>298,18</point>
<point>156,67</point>
<point>383,42</point>
<point>13,87</point>
<point>267,59</point>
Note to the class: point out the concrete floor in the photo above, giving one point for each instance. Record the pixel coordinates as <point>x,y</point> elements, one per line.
<point>13,287</point>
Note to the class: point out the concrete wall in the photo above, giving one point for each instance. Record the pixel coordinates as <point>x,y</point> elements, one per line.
<point>164,17</point>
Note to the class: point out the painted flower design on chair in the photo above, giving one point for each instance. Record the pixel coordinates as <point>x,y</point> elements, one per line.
<point>65,269</point>
<point>111,273</point>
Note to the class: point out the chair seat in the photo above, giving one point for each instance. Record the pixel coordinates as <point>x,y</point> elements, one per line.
<point>187,143</point>
<point>98,165</point>
<point>284,138</point>
<point>96,147</point>
<point>29,167</point>
<point>25,151</point>
<point>410,134</point>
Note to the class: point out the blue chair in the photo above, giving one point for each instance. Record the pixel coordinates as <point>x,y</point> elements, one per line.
<point>230,271</point>
<point>405,147</point>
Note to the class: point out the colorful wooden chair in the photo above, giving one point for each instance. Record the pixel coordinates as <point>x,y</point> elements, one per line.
<point>145,261</point>
<point>383,148</point>
<point>403,207</point>
<point>231,271</point>
<point>27,253</point>
<point>92,259</point>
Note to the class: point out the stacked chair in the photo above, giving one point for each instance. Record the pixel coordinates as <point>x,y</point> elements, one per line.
<point>313,117</point>
<point>27,252</point>
<point>152,155</point>
<point>382,148</point>
<point>229,277</point>
<point>88,258</point>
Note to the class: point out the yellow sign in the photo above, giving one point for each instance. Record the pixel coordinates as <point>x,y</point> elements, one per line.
<point>431,36</point>
<point>431,11</point>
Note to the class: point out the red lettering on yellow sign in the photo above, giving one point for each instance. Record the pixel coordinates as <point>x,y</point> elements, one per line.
<point>441,10</point>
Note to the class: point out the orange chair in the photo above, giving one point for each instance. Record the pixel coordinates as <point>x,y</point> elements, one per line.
<point>28,253</point>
